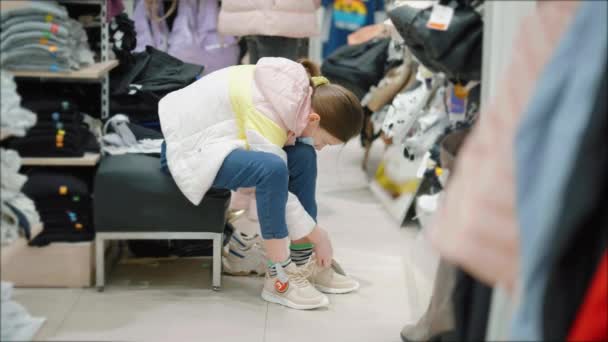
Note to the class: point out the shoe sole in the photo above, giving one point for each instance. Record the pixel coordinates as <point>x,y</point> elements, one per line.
<point>269,297</point>
<point>336,291</point>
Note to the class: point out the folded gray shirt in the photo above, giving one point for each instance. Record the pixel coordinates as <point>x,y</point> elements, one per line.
<point>36,7</point>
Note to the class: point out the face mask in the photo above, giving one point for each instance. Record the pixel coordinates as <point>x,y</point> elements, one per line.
<point>306,140</point>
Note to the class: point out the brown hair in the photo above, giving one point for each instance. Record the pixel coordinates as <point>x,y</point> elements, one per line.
<point>340,110</point>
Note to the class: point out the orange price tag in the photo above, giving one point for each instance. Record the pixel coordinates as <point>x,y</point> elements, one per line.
<point>461,91</point>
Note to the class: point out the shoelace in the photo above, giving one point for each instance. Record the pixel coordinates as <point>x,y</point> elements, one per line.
<point>298,278</point>
<point>308,269</point>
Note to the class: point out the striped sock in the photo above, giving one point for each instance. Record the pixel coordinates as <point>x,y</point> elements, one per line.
<point>301,252</point>
<point>272,267</point>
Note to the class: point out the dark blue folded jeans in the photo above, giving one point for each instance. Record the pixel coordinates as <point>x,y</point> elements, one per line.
<point>272,180</point>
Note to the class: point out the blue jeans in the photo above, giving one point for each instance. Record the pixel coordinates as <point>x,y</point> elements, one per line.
<point>272,180</point>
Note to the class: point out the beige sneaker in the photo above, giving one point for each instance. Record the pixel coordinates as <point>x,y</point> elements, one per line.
<point>290,288</point>
<point>329,280</point>
<point>244,256</point>
<point>244,262</point>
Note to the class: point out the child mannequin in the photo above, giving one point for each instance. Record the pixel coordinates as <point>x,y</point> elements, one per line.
<point>237,128</point>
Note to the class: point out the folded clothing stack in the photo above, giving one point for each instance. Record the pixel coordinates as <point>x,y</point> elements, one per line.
<point>14,119</point>
<point>65,206</point>
<point>60,131</point>
<point>18,212</point>
<point>39,35</point>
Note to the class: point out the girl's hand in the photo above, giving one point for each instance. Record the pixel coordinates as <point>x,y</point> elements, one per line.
<point>291,138</point>
<point>323,248</point>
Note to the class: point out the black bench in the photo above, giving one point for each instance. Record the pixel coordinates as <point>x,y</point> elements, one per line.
<point>135,200</point>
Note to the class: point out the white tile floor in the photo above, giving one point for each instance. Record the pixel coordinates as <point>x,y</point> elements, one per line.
<point>171,300</point>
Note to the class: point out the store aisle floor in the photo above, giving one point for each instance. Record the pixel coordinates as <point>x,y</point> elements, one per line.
<point>171,300</point>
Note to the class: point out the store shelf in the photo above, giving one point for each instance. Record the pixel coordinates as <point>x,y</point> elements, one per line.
<point>89,159</point>
<point>92,72</point>
<point>82,2</point>
<point>10,249</point>
<point>60,264</point>
<point>4,134</point>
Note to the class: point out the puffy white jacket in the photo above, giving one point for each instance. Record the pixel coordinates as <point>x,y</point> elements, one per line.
<point>237,107</point>
<point>285,18</point>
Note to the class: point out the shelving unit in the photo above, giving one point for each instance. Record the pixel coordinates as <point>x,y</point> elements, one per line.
<point>8,250</point>
<point>60,264</point>
<point>82,2</point>
<point>4,134</point>
<point>89,159</point>
<point>98,72</point>
<point>94,72</point>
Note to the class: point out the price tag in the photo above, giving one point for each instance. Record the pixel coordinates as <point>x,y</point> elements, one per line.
<point>440,19</point>
<point>458,104</point>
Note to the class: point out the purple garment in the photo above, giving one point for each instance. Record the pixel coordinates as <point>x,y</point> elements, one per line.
<point>115,7</point>
<point>193,39</point>
<point>150,32</point>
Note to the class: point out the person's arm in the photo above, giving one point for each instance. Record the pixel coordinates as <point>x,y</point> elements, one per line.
<point>301,225</point>
<point>322,246</point>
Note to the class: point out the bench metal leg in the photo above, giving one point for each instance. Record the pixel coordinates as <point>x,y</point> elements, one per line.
<point>217,262</point>
<point>99,263</point>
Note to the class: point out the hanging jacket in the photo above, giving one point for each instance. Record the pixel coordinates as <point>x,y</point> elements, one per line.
<point>194,37</point>
<point>479,231</point>
<point>590,323</point>
<point>150,32</point>
<point>246,106</point>
<point>285,18</point>
<point>547,144</point>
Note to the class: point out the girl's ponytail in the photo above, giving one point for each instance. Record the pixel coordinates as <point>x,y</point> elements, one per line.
<point>312,69</point>
<point>340,110</point>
